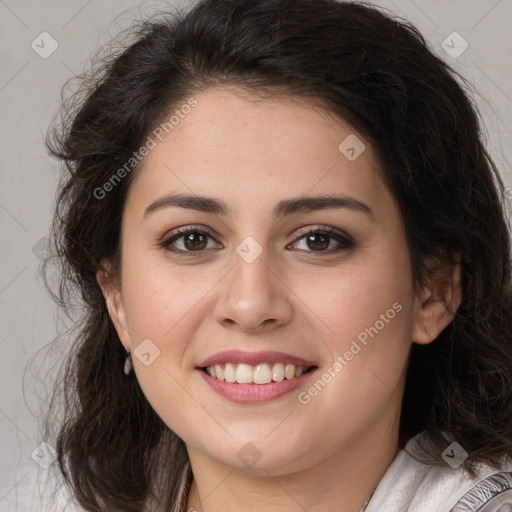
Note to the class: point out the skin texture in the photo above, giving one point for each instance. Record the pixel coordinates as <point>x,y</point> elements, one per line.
<point>330,453</point>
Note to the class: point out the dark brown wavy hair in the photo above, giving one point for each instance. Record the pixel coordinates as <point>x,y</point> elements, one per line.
<point>371,69</point>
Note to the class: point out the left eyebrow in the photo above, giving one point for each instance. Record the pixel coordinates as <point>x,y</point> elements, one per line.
<point>282,208</point>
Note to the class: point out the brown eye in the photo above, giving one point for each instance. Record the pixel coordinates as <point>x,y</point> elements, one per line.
<point>320,239</point>
<point>186,241</point>
<point>195,241</point>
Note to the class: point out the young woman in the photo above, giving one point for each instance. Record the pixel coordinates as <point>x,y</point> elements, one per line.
<point>294,264</point>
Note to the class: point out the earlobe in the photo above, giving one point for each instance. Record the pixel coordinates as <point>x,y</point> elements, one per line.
<point>439,303</point>
<point>115,306</point>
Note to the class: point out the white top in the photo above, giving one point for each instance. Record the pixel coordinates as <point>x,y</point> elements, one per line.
<point>412,486</point>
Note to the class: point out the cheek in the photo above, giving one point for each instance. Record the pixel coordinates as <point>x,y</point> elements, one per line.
<point>159,296</point>
<point>350,299</point>
<point>162,303</point>
<point>366,313</point>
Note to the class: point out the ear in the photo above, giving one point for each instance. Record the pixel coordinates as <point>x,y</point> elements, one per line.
<point>439,301</point>
<point>116,310</point>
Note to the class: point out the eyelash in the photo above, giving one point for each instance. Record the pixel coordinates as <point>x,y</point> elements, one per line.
<point>347,241</point>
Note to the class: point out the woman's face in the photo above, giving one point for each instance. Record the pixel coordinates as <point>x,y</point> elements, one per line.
<point>251,279</point>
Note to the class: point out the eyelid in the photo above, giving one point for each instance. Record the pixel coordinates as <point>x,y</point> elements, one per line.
<point>321,229</point>
<point>182,230</point>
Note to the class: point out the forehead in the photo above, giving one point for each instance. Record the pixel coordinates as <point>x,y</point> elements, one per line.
<point>245,148</point>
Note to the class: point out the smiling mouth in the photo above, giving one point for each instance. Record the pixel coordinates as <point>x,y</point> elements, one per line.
<point>263,373</point>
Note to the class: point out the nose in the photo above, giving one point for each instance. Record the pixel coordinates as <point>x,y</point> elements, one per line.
<point>253,297</point>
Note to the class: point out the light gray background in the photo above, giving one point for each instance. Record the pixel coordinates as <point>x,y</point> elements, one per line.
<point>30,94</point>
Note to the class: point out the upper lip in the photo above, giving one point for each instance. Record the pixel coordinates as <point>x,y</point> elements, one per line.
<point>252,358</point>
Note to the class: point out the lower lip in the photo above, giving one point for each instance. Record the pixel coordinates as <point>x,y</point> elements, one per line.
<point>254,393</point>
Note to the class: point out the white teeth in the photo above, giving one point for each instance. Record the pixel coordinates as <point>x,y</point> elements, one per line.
<point>289,371</point>
<point>244,374</point>
<point>278,372</point>
<point>263,373</point>
<point>230,372</point>
<point>219,371</point>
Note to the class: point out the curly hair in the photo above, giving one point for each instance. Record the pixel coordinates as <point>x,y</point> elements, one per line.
<point>371,69</point>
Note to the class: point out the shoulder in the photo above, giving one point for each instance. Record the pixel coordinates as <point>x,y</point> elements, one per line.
<point>410,485</point>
